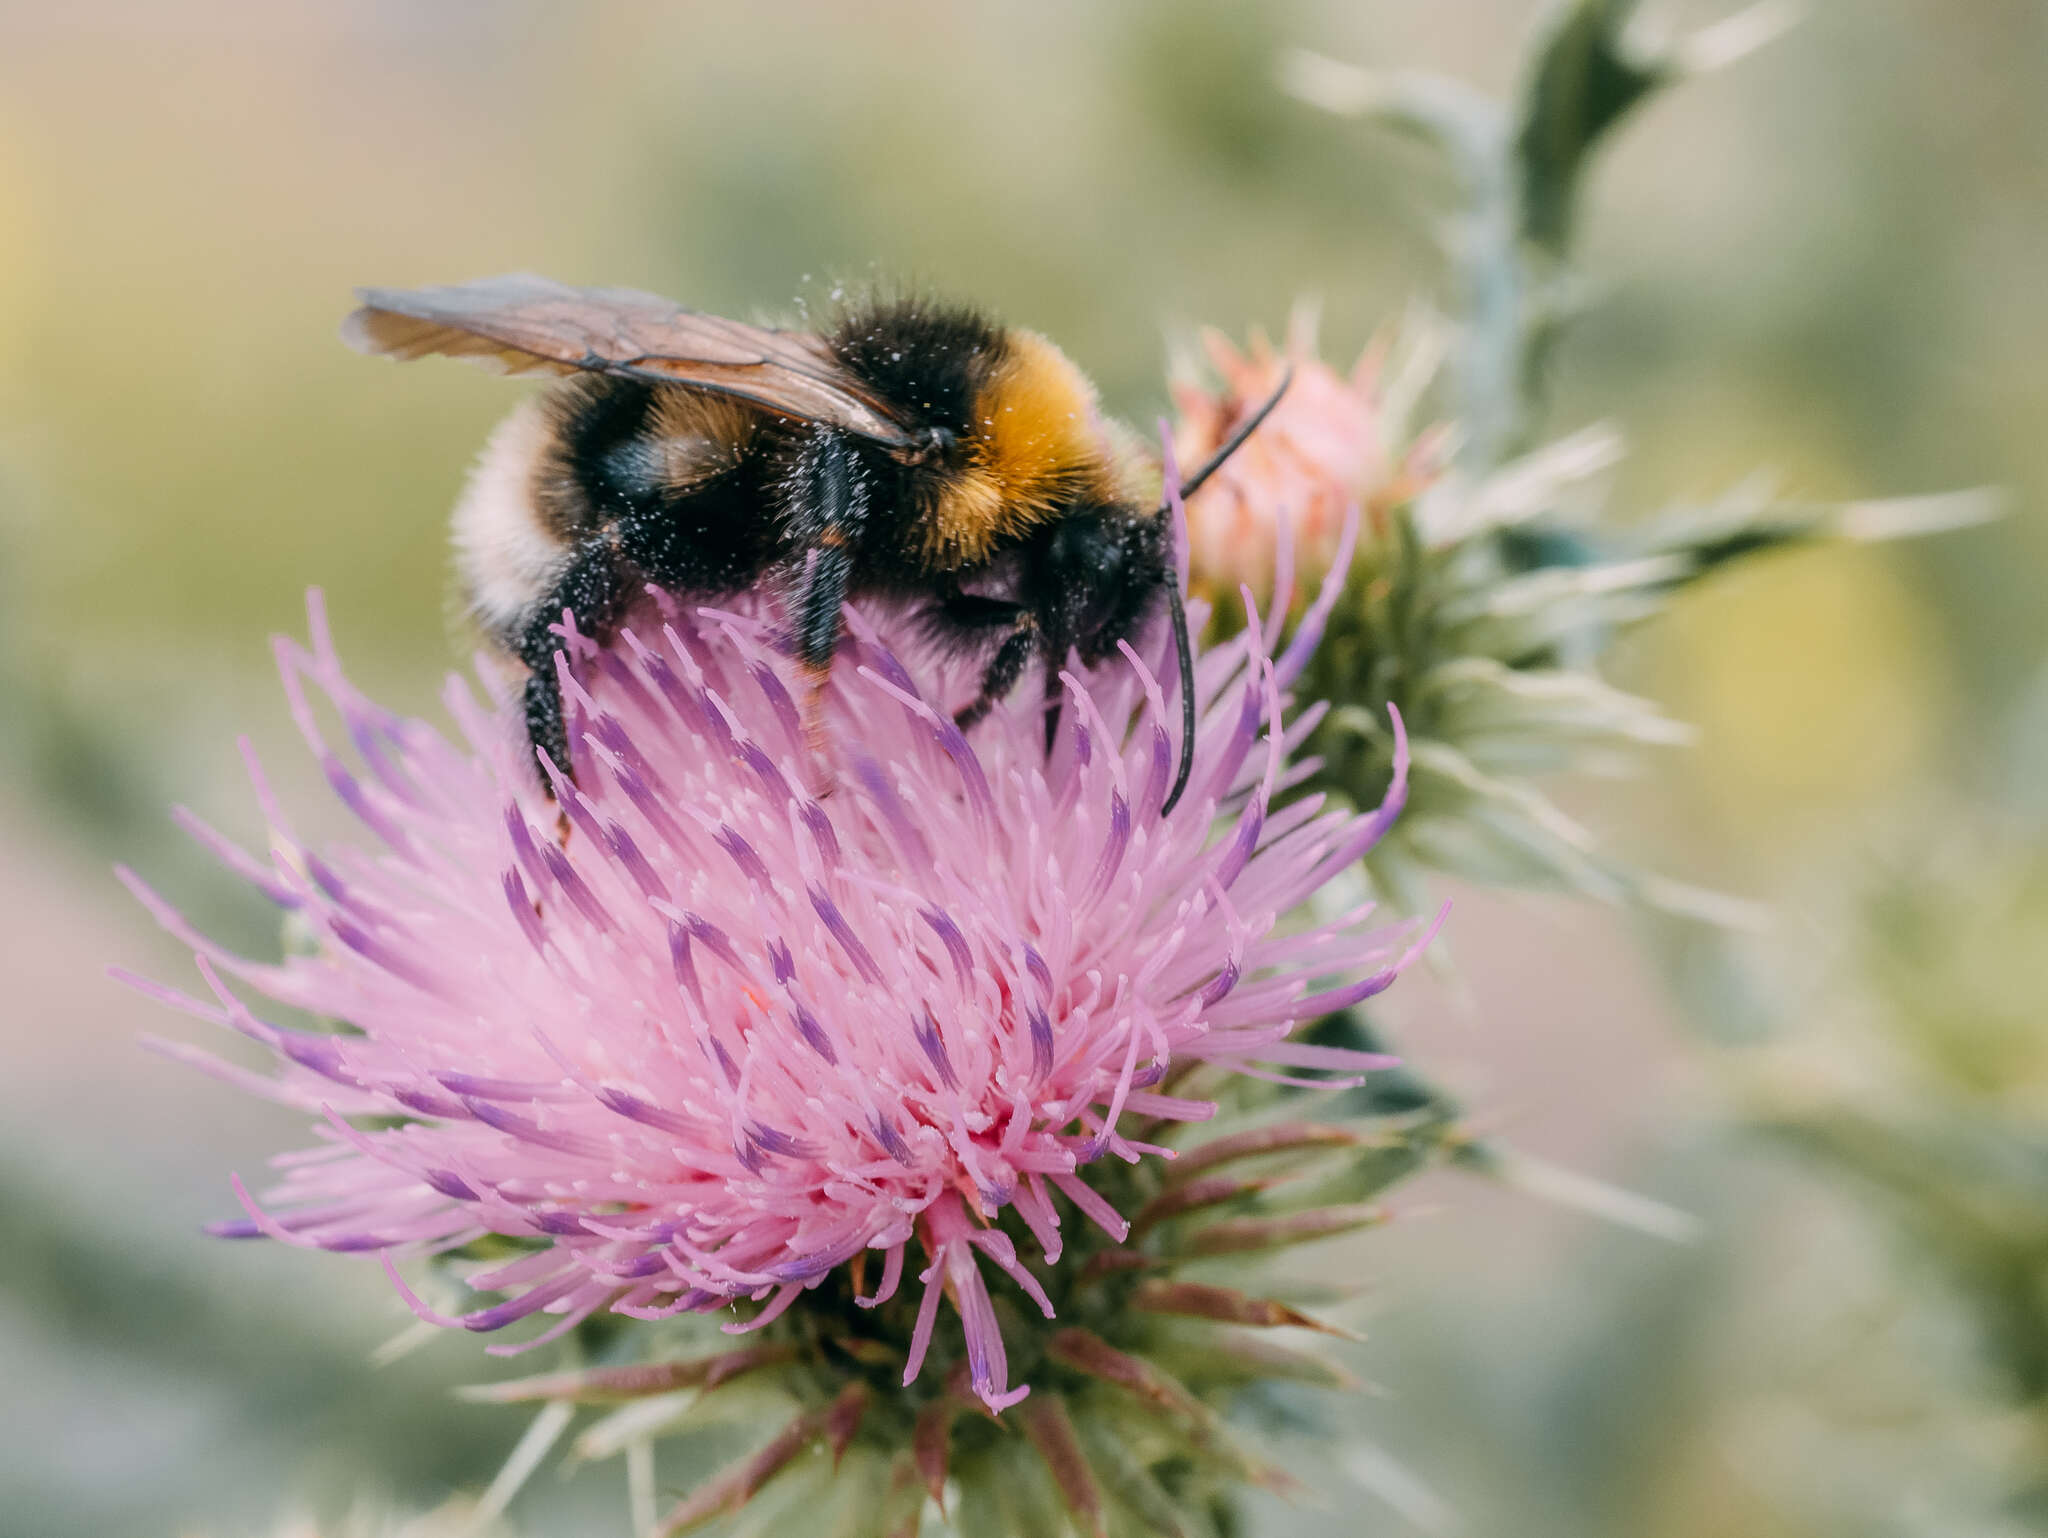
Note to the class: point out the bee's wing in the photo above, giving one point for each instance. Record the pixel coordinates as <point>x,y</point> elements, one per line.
<point>522,324</point>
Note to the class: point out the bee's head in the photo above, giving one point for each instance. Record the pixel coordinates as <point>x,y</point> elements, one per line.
<point>1101,569</point>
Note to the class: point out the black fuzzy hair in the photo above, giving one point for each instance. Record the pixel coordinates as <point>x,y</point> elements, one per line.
<point>925,355</point>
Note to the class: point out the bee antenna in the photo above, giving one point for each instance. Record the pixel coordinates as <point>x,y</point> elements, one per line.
<point>1183,646</point>
<point>1235,441</point>
<point>1184,651</point>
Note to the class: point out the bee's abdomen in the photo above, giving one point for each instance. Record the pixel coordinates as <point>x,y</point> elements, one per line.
<point>708,521</point>
<point>717,536</point>
<point>509,549</point>
<point>672,477</point>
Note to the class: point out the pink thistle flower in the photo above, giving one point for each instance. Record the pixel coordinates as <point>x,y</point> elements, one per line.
<point>1327,448</point>
<point>702,1034</point>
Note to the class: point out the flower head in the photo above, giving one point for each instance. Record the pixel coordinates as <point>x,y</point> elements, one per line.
<point>1329,446</point>
<point>1479,608</point>
<point>738,1008</point>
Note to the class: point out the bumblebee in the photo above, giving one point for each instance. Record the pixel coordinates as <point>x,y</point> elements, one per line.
<point>915,450</point>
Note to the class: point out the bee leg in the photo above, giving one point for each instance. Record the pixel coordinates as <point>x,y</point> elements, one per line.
<point>546,731</point>
<point>828,505</point>
<point>1004,669</point>
<point>589,589</point>
<point>820,593</point>
<point>972,615</point>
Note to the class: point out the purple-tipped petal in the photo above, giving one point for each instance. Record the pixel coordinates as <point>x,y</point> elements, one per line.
<point>744,1000</point>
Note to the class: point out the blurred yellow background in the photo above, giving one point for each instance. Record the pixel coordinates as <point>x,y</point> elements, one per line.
<point>1826,262</point>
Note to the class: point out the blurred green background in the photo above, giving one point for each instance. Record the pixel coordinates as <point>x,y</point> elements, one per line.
<point>1826,262</point>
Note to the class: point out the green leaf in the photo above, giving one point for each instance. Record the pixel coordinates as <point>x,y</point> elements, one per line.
<point>1584,81</point>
